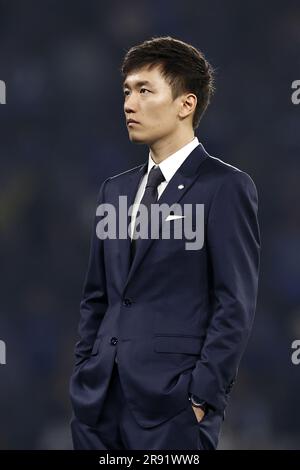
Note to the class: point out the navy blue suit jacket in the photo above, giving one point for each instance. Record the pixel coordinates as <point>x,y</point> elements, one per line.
<point>178,319</point>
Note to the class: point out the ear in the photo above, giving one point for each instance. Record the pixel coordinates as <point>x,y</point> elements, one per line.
<point>188,105</point>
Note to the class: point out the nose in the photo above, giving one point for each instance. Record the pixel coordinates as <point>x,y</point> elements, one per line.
<point>130,104</point>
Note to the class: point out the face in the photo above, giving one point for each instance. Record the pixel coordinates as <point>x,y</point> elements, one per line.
<point>148,100</point>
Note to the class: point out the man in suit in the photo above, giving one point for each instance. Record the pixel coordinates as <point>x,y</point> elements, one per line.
<point>162,326</point>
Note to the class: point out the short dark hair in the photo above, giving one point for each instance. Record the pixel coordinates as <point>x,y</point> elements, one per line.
<point>183,66</point>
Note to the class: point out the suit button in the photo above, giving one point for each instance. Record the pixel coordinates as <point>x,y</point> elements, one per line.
<point>127,302</point>
<point>113,340</point>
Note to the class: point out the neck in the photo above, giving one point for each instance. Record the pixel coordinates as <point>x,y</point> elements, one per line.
<point>164,148</point>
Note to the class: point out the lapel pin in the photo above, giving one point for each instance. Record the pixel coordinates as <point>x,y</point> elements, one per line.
<point>181,186</point>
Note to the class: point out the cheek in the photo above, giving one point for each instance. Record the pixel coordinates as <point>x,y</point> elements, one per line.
<point>160,116</point>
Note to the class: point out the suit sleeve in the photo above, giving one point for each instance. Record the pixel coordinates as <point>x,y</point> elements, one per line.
<point>233,240</point>
<point>94,302</point>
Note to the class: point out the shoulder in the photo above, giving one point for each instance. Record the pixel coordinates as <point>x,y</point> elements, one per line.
<point>225,175</point>
<point>125,174</point>
<point>121,178</point>
<point>233,191</point>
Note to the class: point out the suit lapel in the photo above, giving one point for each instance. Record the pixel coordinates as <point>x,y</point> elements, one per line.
<point>129,188</point>
<point>184,176</point>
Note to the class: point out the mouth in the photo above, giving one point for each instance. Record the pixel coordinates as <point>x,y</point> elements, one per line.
<point>131,122</point>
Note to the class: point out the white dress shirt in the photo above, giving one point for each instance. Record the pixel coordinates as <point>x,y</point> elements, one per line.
<point>168,167</point>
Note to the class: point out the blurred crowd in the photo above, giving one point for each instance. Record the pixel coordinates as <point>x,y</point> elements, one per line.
<point>62,132</point>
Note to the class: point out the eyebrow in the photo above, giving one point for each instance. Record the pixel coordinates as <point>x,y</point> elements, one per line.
<point>139,83</point>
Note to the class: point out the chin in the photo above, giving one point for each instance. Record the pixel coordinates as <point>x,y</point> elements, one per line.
<point>136,139</point>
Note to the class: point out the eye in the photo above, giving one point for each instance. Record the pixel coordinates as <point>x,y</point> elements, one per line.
<point>144,89</point>
<point>126,92</point>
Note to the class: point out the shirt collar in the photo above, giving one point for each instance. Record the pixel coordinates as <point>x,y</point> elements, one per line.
<point>170,165</point>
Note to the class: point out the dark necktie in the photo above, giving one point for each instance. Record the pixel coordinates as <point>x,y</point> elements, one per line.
<point>150,196</point>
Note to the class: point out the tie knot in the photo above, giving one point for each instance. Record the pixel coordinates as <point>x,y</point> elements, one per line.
<point>155,177</point>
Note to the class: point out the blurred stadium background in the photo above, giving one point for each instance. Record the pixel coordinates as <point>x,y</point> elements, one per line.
<point>62,132</point>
